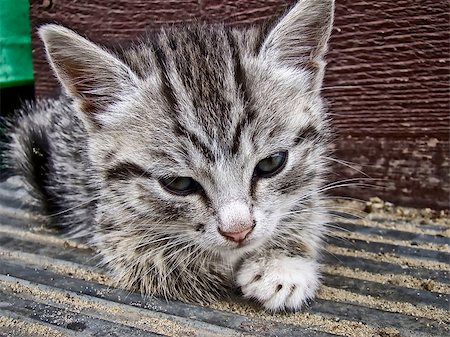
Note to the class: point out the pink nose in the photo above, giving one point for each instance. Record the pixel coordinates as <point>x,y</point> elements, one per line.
<point>237,236</point>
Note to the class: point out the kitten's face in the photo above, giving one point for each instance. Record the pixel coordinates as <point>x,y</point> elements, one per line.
<point>204,137</point>
<point>195,161</point>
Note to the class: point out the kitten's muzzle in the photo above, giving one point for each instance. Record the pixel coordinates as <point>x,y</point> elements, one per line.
<point>237,236</point>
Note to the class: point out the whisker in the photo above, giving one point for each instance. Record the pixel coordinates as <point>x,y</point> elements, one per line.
<point>74,207</point>
<point>347,164</point>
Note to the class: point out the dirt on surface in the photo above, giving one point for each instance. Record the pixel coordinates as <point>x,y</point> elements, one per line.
<point>376,207</point>
<point>18,326</point>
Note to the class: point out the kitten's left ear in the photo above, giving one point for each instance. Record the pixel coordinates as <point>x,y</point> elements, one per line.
<point>300,38</point>
<point>91,75</point>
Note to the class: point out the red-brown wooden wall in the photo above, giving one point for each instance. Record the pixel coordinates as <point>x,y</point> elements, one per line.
<point>387,82</point>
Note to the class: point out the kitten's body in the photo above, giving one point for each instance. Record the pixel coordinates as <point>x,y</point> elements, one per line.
<point>209,103</point>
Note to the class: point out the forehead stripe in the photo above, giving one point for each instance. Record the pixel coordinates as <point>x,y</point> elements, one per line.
<point>241,84</point>
<point>166,86</point>
<point>239,74</point>
<point>180,130</point>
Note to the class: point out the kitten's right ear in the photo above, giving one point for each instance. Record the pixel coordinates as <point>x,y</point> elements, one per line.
<point>94,77</point>
<point>299,40</point>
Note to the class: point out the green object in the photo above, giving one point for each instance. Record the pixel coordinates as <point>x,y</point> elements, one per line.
<point>16,67</point>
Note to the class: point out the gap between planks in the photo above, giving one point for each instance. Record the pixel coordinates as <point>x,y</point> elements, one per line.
<point>402,261</point>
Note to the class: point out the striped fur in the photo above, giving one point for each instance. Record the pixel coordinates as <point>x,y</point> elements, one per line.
<point>207,102</point>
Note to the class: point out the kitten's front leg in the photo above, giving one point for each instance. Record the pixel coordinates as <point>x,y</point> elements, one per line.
<point>277,281</point>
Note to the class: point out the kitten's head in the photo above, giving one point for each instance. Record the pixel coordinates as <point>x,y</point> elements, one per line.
<point>210,136</point>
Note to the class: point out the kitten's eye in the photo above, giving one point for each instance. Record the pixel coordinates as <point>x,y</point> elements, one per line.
<point>270,166</point>
<point>180,185</point>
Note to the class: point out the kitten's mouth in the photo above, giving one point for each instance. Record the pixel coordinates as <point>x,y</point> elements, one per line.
<point>239,245</point>
<point>243,244</point>
<point>246,245</point>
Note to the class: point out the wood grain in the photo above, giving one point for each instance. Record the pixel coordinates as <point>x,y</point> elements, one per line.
<point>405,170</point>
<point>387,80</point>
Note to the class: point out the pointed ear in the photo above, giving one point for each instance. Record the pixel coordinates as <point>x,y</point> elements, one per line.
<point>94,77</point>
<point>299,40</point>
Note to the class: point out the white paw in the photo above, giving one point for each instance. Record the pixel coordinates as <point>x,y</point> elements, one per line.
<point>279,283</point>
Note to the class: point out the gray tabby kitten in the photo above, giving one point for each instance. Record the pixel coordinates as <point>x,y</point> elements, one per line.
<point>194,160</point>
